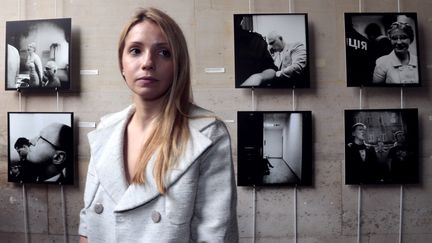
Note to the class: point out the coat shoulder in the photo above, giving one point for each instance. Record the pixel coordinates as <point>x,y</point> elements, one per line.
<point>116,117</point>
<point>109,123</point>
<point>200,118</point>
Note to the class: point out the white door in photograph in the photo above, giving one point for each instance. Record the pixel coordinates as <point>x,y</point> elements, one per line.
<point>273,142</point>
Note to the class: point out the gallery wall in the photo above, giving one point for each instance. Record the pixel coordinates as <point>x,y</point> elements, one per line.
<point>327,211</point>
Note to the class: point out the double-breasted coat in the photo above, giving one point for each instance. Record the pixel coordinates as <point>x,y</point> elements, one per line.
<point>200,202</point>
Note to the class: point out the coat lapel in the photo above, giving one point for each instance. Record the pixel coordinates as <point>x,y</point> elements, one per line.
<point>107,147</point>
<point>138,195</point>
<point>107,151</point>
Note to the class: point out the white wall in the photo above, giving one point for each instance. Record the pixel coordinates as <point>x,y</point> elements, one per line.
<point>293,140</point>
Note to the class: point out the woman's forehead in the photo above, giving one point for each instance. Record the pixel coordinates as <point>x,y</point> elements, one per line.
<point>146,30</point>
<point>398,31</point>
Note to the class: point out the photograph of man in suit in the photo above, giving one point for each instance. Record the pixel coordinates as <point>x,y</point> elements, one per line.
<point>289,58</point>
<point>361,160</point>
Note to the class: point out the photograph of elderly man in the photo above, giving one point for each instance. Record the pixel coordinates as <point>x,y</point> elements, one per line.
<point>271,51</point>
<point>42,156</point>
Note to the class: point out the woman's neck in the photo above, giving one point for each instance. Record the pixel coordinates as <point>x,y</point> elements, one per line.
<point>146,111</point>
<point>139,130</point>
<point>404,57</point>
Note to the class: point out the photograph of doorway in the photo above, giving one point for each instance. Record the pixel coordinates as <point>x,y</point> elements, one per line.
<point>274,148</point>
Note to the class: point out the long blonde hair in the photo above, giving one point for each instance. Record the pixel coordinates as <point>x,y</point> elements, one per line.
<point>169,137</point>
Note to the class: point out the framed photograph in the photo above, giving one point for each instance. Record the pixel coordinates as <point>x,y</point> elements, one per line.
<point>381,146</point>
<point>382,50</point>
<point>271,51</point>
<point>274,148</point>
<point>38,54</point>
<point>40,147</point>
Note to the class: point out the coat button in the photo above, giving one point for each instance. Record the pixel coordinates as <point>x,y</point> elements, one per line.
<point>98,208</point>
<point>156,217</point>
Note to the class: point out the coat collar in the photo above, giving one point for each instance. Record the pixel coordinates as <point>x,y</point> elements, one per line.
<point>395,62</point>
<point>107,152</point>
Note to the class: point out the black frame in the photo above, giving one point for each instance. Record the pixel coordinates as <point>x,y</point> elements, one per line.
<point>26,128</point>
<point>366,40</point>
<point>52,39</point>
<point>292,27</point>
<point>259,133</point>
<point>383,162</point>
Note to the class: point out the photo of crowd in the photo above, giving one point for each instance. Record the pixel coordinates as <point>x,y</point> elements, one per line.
<point>381,146</point>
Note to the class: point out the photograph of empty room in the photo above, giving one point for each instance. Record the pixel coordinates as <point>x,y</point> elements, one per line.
<point>274,148</point>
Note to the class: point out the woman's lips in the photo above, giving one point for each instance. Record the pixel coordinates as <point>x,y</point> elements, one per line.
<point>146,80</point>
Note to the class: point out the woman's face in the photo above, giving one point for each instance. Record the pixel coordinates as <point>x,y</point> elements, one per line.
<point>400,41</point>
<point>147,62</point>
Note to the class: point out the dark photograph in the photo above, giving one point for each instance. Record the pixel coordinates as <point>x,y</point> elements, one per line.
<point>382,50</point>
<point>274,148</point>
<point>38,54</point>
<point>381,146</point>
<point>271,51</point>
<point>40,147</point>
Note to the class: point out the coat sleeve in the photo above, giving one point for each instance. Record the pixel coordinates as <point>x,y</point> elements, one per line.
<point>215,213</point>
<point>298,58</point>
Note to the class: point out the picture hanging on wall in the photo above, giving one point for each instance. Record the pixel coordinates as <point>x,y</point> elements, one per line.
<point>38,54</point>
<point>274,148</point>
<point>40,147</point>
<point>381,146</point>
<point>382,49</point>
<point>271,51</point>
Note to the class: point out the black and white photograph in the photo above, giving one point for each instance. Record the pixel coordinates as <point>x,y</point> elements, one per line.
<point>274,148</point>
<point>38,54</point>
<point>381,146</point>
<point>41,147</point>
<point>271,51</point>
<point>382,50</point>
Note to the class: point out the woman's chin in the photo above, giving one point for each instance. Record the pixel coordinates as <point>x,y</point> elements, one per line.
<point>400,51</point>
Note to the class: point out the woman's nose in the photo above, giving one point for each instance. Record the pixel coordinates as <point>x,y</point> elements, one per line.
<point>147,61</point>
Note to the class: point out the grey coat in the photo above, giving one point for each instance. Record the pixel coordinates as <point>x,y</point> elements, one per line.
<point>200,203</point>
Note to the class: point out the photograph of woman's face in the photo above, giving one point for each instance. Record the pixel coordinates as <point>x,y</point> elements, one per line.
<point>147,61</point>
<point>400,41</point>
<point>382,50</point>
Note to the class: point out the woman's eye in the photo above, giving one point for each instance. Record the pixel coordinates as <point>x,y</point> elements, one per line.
<point>134,51</point>
<point>165,53</point>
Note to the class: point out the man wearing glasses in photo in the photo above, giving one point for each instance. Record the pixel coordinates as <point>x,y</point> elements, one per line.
<point>48,156</point>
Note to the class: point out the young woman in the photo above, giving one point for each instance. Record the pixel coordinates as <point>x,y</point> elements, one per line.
<point>161,170</point>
